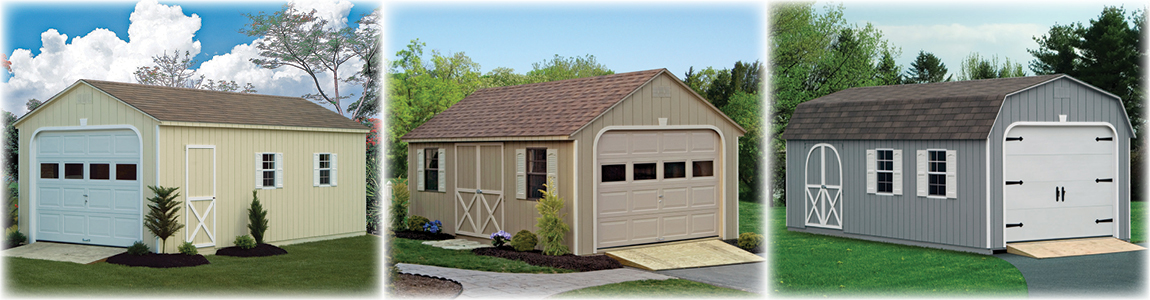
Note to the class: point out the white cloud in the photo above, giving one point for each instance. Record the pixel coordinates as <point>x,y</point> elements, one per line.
<point>156,28</point>
<point>953,42</point>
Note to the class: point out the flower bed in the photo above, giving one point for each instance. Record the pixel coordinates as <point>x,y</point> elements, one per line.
<point>259,250</point>
<point>153,260</point>
<point>423,235</point>
<point>566,261</point>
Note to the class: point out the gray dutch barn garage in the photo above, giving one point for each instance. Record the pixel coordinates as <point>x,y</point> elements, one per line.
<point>968,165</point>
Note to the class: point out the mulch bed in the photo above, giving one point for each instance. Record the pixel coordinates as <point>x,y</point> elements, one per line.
<point>423,235</point>
<point>422,286</point>
<point>567,261</point>
<point>259,250</point>
<point>735,242</point>
<point>153,260</point>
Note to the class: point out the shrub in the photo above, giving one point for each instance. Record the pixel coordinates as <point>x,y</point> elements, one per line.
<point>415,223</point>
<point>524,241</point>
<point>550,223</point>
<point>138,248</point>
<point>433,227</point>
<point>14,237</point>
<point>257,219</point>
<point>500,238</point>
<point>189,249</point>
<point>162,220</point>
<point>399,201</point>
<point>750,240</point>
<point>245,242</point>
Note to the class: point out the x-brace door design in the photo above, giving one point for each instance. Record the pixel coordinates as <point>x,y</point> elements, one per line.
<point>200,195</point>
<point>478,189</point>
<point>823,182</point>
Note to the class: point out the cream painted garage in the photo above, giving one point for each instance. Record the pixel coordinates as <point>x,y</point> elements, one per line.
<point>93,150</point>
<point>966,165</point>
<point>88,186</point>
<point>657,186</point>
<point>638,158</point>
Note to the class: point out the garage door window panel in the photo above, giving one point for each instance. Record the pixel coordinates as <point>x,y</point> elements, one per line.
<point>125,171</point>
<point>99,171</point>
<point>673,170</point>
<point>645,171</point>
<point>702,169</point>
<point>614,173</point>
<point>73,171</point>
<point>50,171</point>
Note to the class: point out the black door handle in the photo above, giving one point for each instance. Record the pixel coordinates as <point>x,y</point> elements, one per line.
<point>1063,194</point>
<point>1056,194</point>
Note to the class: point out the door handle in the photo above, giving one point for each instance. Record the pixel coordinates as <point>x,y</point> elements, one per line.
<point>1063,194</point>
<point>1056,194</point>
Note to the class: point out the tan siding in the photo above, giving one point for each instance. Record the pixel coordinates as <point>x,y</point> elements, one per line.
<point>682,108</point>
<point>296,212</point>
<point>431,204</point>
<point>64,110</point>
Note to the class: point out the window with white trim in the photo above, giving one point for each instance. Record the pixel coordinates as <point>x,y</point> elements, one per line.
<point>536,172</point>
<point>937,173</point>
<point>885,164</point>
<point>268,170</point>
<point>431,167</point>
<point>325,167</point>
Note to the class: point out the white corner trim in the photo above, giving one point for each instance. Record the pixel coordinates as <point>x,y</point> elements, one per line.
<point>33,195</point>
<point>595,174</point>
<point>986,158</point>
<point>575,195</point>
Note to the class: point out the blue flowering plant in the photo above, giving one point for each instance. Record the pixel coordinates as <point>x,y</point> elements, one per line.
<point>500,238</point>
<point>432,227</point>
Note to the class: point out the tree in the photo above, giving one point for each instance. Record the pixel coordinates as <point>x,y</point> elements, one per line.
<point>303,41</point>
<point>926,68</point>
<point>365,45</point>
<point>173,71</point>
<point>257,219</point>
<point>11,148</point>
<point>33,104</point>
<point>550,223</point>
<point>976,67</point>
<point>163,219</point>
<point>887,71</point>
<point>561,68</point>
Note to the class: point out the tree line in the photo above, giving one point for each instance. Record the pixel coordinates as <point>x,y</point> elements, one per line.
<point>816,54</point>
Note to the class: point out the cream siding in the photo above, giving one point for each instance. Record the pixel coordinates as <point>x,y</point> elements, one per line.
<point>433,205</point>
<point>683,107</point>
<point>298,211</point>
<point>65,109</point>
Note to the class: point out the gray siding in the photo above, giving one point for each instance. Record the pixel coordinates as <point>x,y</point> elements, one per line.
<point>1039,105</point>
<point>956,222</point>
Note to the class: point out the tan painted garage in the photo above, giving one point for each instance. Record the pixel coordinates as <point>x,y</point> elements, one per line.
<point>90,152</point>
<point>638,157</point>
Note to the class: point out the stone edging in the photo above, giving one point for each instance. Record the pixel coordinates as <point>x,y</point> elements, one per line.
<point>440,278</point>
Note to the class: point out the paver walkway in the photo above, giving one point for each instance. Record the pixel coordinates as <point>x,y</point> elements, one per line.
<point>480,284</point>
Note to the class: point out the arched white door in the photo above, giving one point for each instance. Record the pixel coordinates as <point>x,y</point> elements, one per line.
<point>823,182</point>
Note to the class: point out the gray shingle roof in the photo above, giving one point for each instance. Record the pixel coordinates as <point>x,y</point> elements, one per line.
<point>196,105</point>
<point>540,109</point>
<point>958,110</point>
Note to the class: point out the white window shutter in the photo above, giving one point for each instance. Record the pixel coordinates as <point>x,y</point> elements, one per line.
<point>951,175</point>
<point>520,173</point>
<point>315,169</point>
<point>259,170</point>
<point>334,174</point>
<point>897,176</point>
<point>553,168</point>
<point>419,170</point>
<point>871,176</point>
<point>442,170</point>
<point>279,170</point>
<point>920,155</point>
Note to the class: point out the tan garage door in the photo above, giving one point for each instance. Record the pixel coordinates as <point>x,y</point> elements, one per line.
<point>657,186</point>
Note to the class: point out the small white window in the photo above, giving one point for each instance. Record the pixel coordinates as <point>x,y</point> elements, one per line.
<point>269,170</point>
<point>324,169</point>
<point>937,173</point>
<point>937,176</point>
<point>885,171</point>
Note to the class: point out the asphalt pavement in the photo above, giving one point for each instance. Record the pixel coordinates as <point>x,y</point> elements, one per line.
<point>745,277</point>
<point>1101,275</point>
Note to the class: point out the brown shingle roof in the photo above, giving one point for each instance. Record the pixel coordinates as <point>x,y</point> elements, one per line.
<point>196,105</point>
<point>540,109</point>
<point>958,110</point>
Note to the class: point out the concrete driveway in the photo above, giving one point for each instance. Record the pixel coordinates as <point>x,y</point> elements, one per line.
<point>745,277</point>
<point>1102,275</point>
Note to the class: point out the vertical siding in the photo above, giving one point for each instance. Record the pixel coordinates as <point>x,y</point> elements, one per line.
<point>958,222</point>
<point>1039,105</point>
<point>66,110</point>
<point>643,109</point>
<point>298,211</point>
<point>432,205</point>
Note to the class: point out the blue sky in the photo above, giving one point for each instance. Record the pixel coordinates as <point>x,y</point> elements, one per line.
<point>95,40</point>
<point>951,30</point>
<point>624,37</point>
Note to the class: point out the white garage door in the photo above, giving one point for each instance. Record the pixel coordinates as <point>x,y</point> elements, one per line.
<point>1060,182</point>
<point>656,186</point>
<point>88,188</point>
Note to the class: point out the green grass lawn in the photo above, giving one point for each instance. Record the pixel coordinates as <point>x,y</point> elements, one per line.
<point>751,217</point>
<point>345,266</point>
<point>816,265</point>
<point>670,288</point>
<point>414,252</point>
<point>1137,220</point>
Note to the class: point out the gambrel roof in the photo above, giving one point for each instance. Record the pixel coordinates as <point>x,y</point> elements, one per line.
<point>957,110</point>
<point>556,108</point>
<point>205,106</point>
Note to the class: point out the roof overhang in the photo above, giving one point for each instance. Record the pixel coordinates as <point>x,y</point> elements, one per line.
<point>490,139</point>
<point>71,87</point>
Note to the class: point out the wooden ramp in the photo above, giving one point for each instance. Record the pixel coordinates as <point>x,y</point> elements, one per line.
<point>1074,247</point>
<point>683,255</point>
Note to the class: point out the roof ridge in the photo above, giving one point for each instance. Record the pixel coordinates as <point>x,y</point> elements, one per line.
<point>567,80</point>
<point>184,88</point>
